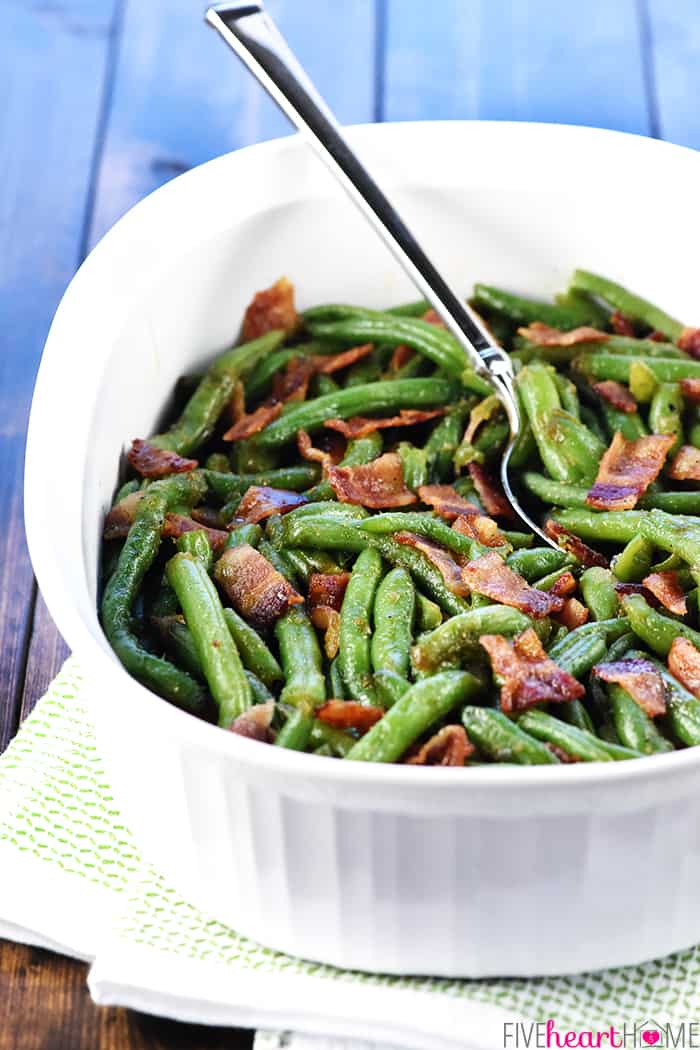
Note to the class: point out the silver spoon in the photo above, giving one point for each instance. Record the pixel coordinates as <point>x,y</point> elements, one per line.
<point>252,34</point>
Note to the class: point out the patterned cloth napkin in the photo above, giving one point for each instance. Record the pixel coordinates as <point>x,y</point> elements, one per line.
<point>74,880</point>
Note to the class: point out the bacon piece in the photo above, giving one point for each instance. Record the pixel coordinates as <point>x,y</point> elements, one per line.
<point>270,309</point>
<point>627,469</point>
<point>349,714</point>
<point>261,501</point>
<point>490,493</point>
<point>690,341</point>
<point>238,402</point>
<point>208,516</point>
<point>447,565</point>
<point>564,585</point>
<point>621,325</point>
<point>450,746</point>
<point>686,464</point>
<point>328,621</point>
<point>489,575</point>
<point>378,484</point>
<point>121,517</point>
<point>254,422</point>
<point>255,588</point>
<point>526,673</point>
<point>573,545</point>
<point>544,335</point>
<point>690,388</point>
<point>665,586</point>
<point>326,365</point>
<point>640,679</point>
<point>684,664</point>
<point>561,754</point>
<point>401,356</point>
<point>657,337</point>
<point>361,426</point>
<point>616,394</point>
<point>293,383</point>
<point>446,501</point>
<point>176,525</point>
<point>255,723</point>
<point>327,589</point>
<point>574,614</point>
<point>432,318</point>
<point>479,527</point>
<point>152,462</point>
<point>315,455</point>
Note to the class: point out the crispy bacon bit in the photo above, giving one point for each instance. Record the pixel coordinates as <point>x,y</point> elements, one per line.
<point>489,575</point>
<point>315,455</point>
<point>690,341</point>
<point>270,309</point>
<point>561,754</point>
<point>238,402</point>
<point>490,493</point>
<point>665,586</point>
<point>616,394</point>
<point>334,362</point>
<point>544,335</point>
<point>432,318</point>
<point>293,383</point>
<point>361,426</point>
<point>690,388</point>
<point>327,589</point>
<point>657,337</point>
<point>684,664</point>
<point>627,469</point>
<point>328,621</point>
<point>573,545</point>
<point>446,501</point>
<point>640,679</point>
<point>526,673</point>
<point>621,325</point>
<point>152,462</point>
<point>176,525</point>
<point>450,746</point>
<point>253,585</point>
<point>121,517</point>
<point>377,484</point>
<point>401,356</point>
<point>447,565</point>
<point>261,501</point>
<point>479,527</point>
<point>208,516</point>
<point>574,614</point>
<point>254,422</point>
<point>686,464</point>
<point>349,714</point>
<point>255,723</point>
<point>564,585</point>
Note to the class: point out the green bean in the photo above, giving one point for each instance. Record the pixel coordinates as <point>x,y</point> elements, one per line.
<point>338,741</point>
<point>215,647</point>
<point>576,742</point>
<point>418,709</point>
<point>502,740</point>
<point>598,315</point>
<point>175,636</point>
<point>592,421</point>
<point>201,413</point>
<point>443,442</point>
<point>390,687</point>
<point>537,562</point>
<point>630,424</point>
<point>136,557</point>
<point>358,400</point>
<point>413,309</point>
<point>422,570</point>
<point>324,532</point>
<point>325,385</point>
<point>306,562</point>
<point>585,646</point>
<point>575,713</point>
<point>540,398</point>
<point>229,486</point>
<point>599,594</point>
<point>127,489</point>
<point>675,534</point>
<point>672,502</point>
<point>608,526</point>
<point>295,734</point>
<point>335,680</point>
<point>666,413</point>
<point>249,458</point>
<point>459,636</point>
<point>244,534</point>
<point>525,447</point>
<point>633,725</point>
<point>394,609</point>
<point>558,494</point>
<point>577,446</point>
<point>568,395</point>
<point>355,630</point>
<point>633,563</point>
<point>632,306</point>
<point>423,524</point>
<point>642,381</point>
<point>302,662</point>
<point>414,465</point>
<point>255,654</point>
<point>197,544</point>
<point>526,311</point>
<point>428,613</point>
<point>261,377</point>
<point>600,365</point>
<point>653,628</point>
<point>258,690</point>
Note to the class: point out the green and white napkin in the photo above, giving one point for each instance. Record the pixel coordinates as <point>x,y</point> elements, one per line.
<point>73,880</point>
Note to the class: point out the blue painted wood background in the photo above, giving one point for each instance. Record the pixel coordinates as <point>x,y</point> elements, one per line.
<point>104,100</point>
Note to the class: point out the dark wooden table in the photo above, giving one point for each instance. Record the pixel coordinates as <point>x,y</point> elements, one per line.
<point>104,101</point>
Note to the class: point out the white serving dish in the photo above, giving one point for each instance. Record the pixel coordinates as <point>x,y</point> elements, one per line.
<point>394,869</point>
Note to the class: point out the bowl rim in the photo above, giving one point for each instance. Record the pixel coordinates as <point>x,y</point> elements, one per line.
<point>320,769</point>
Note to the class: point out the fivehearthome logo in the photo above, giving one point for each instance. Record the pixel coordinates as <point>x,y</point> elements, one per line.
<point>640,1035</point>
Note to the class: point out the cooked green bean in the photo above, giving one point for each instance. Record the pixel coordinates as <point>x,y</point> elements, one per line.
<point>459,636</point>
<point>504,741</point>
<point>355,627</point>
<point>394,609</point>
<point>632,306</point>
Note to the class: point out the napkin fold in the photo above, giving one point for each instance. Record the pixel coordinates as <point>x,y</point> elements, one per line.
<point>74,881</point>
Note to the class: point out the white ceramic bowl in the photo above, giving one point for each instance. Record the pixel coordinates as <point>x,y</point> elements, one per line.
<point>396,869</point>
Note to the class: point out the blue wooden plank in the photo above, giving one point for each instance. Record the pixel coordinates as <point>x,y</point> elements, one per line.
<point>182,97</point>
<point>674,67</point>
<point>516,60</point>
<point>53,59</point>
